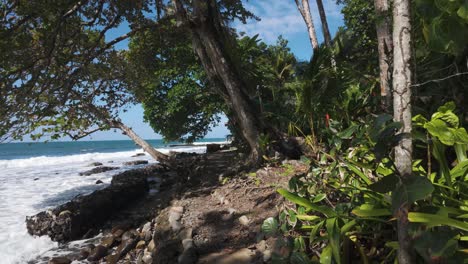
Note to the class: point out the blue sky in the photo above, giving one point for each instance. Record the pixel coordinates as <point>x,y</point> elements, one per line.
<point>278,17</point>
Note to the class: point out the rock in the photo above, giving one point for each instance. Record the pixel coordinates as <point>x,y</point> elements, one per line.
<point>135,162</point>
<point>151,246</point>
<point>210,148</point>
<point>112,259</point>
<point>118,233</point>
<point>261,246</point>
<point>266,255</point>
<point>108,241</point>
<point>140,245</point>
<point>174,216</point>
<point>99,182</point>
<point>60,260</point>
<point>98,253</point>
<point>138,155</point>
<point>97,170</point>
<point>130,234</point>
<point>126,246</point>
<point>90,212</point>
<point>84,252</point>
<point>147,258</point>
<point>244,220</point>
<point>146,232</point>
<point>35,179</point>
<point>95,164</point>
<point>243,256</point>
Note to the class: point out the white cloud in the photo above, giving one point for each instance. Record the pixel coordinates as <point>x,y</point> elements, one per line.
<point>281,17</point>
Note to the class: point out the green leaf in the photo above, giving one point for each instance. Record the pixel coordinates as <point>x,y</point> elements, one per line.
<point>436,220</point>
<point>326,256</point>
<point>319,197</point>
<point>306,203</point>
<point>371,212</point>
<point>299,258</point>
<point>299,244</point>
<point>270,226</point>
<point>411,190</point>
<point>334,236</point>
<point>314,231</point>
<point>463,11</point>
<point>385,184</point>
<point>460,170</point>
<point>308,217</point>
<point>440,130</point>
<point>359,173</point>
<point>347,133</point>
<point>348,226</point>
<point>436,244</point>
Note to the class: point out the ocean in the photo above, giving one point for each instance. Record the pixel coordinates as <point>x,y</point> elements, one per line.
<point>39,176</point>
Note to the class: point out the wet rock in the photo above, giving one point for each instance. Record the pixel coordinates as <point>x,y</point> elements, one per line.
<point>118,233</point>
<point>84,252</point>
<point>98,253</point>
<point>138,155</point>
<point>35,179</point>
<point>210,148</point>
<point>108,242</point>
<point>140,245</point>
<point>112,259</point>
<point>135,162</point>
<point>126,246</point>
<point>130,234</point>
<point>97,170</point>
<point>95,164</point>
<point>99,182</point>
<point>244,220</point>
<point>60,260</point>
<point>146,232</point>
<point>147,258</point>
<point>90,212</point>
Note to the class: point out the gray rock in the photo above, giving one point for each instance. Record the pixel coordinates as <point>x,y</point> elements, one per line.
<point>138,155</point>
<point>135,162</point>
<point>95,164</point>
<point>244,220</point>
<point>99,182</point>
<point>60,260</point>
<point>98,253</point>
<point>97,170</point>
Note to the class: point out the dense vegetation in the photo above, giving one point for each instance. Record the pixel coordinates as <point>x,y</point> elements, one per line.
<point>377,184</point>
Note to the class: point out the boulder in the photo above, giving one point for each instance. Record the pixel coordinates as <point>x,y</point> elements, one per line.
<point>95,164</point>
<point>135,162</point>
<point>210,148</point>
<point>97,170</point>
<point>99,182</point>
<point>60,260</point>
<point>74,219</point>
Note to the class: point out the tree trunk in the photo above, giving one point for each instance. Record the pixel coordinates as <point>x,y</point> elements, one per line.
<point>402,113</point>
<point>384,39</point>
<point>304,9</point>
<point>209,43</point>
<point>161,157</point>
<point>323,19</point>
<point>141,142</point>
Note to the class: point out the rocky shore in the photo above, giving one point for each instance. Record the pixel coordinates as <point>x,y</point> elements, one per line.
<point>199,215</point>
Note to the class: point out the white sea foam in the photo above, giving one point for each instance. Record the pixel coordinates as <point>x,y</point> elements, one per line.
<point>31,185</point>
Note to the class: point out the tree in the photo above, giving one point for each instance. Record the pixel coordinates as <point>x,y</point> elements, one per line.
<point>384,40</point>
<point>58,74</point>
<point>304,9</point>
<point>323,19</point>
<point>402,81</point>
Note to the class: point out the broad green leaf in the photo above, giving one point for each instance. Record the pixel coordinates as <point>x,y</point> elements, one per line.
<point>306,203</point>
<point>411,190</point>
<point>385,184</point>
<point>371,212</point>
<point>314,231</point>
<point>270,226</point>
<point>308,217</point>
<point>348,226</point>
<point>460,170</point>
<point>359,173</point>
<point>436,220</point>
<point>319,197</point>
<point>327,255</point>
<point>299,244</point>
<point>347,133</point>
<point>463,11</point>
<point>439,129</point>
<point>334,236</point>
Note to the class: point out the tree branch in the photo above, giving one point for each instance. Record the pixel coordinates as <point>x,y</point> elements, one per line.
<point>440,80</point>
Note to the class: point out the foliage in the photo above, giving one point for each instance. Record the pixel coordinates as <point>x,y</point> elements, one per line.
<point>344,205</point>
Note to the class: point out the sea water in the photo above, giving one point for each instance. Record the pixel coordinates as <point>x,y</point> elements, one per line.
<point>39,176</point>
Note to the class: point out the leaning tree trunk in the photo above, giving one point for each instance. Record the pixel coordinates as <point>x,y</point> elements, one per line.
<point>209,43</point>
<point>323,19</point>
<point>161,157</point>
<point>140,142</point>
<point>304,9</point>
<point>402,113</point>
<point>384,39</point>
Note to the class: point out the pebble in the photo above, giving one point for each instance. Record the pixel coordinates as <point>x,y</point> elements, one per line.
<point>244,220</point>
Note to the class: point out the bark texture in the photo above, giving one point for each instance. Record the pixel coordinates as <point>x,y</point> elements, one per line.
<point>385,48</point>
<point>402,113</point>
<point>323,19</point>
<point>210,44</point>
<point>304,9</point>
